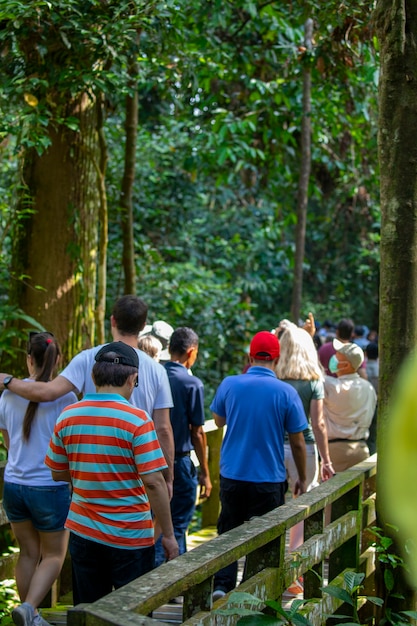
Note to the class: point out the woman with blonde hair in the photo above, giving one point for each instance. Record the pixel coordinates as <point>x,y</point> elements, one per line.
<point>299,366</point>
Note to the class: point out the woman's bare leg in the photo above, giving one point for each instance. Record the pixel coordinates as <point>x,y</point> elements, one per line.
<point>39,562</point>
<point>30,551</point>
<point>53,550</point>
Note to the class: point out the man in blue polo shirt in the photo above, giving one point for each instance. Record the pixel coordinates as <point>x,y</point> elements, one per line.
<point>257,409</point>
<point>187,419</point>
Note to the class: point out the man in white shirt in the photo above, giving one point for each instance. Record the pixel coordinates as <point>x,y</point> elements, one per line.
<point>153,393</point>
<point>349,406</point>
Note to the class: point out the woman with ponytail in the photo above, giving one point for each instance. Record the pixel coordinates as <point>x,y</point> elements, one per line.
<point>36,506</point>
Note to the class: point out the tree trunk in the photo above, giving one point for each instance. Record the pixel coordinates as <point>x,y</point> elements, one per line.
<point>397,32</point>
<point>305,168</point>
<point>55,248</point>
<point>126,207</point>
<point>396,22</point>
<point>103,228</point>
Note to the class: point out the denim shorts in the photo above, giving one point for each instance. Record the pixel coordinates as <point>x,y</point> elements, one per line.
<point>46,507</point>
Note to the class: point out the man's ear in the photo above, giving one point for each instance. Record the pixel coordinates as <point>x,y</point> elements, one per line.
<point>112,321</point>
<point>191,355</point>
<point>275,361</point>
<point>132,380</point>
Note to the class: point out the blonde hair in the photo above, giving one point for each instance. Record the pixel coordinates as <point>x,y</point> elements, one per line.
<point>298,358</point>
<point>151,345</point>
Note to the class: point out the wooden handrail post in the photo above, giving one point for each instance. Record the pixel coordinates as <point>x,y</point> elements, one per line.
<point>347,556</point>
<point>313,580</point>
<point>210,508</point>
<point>270,555</point>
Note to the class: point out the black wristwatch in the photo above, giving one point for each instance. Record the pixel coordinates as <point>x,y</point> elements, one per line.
<point>7,380</point>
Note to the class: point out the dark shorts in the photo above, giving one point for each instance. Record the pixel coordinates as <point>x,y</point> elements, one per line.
<point>46,507</point>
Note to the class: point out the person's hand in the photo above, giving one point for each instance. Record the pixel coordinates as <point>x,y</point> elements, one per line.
<point>309,325</point>
<point>326,471</point>
<point>300,487</point>
<point>170,547</point>
<point>205,486</point>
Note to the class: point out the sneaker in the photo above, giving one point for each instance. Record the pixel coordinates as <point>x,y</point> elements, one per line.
<point>23,615</point>
<point>217,594</point>
<point>296,588</point>
<point>39,621</point>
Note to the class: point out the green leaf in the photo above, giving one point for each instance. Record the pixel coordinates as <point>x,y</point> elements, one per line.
<point>412,614</point>
<point>386,542</point>
<point>337,592</point>
<point>389,579</point>
<point>353,580</point>
<point>300,620</point>
<point>240,597</point>
<point>375,600</point>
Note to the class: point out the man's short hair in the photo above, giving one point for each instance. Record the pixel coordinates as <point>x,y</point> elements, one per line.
<point>182,339</point>
<point>345,329</point>
<point>111,374</point>
<point>129,313</point>
<point>114,363</point>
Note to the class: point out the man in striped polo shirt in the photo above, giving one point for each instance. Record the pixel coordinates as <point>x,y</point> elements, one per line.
<point>110,452</point>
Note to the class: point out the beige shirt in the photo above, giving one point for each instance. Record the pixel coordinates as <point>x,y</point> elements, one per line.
<point>349,405</point>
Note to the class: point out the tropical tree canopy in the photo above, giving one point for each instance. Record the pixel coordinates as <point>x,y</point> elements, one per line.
<point>220,108</point>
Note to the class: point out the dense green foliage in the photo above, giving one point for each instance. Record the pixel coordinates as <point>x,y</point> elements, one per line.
<point>218,152</point>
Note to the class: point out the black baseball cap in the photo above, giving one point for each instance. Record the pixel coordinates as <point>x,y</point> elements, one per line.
<point>118,352</point>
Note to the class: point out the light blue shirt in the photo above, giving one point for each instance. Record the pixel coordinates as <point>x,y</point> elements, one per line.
<point>153,391</point>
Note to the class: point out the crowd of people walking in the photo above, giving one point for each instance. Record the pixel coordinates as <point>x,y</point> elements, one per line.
<point>100,455</point>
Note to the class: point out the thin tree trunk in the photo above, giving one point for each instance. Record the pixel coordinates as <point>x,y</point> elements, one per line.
<point>126,205</point>
<point>396,22</point>
<point>103,228</point>
<point>305,169</point>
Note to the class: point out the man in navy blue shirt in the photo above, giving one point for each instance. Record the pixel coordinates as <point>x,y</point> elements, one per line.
<point>257,409</point>
<point>187,419</point>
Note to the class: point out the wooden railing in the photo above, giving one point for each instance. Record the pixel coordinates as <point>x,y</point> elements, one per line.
<point>336,516</point>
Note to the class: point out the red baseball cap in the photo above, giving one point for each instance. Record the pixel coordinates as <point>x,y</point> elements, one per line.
<point>264,346</point>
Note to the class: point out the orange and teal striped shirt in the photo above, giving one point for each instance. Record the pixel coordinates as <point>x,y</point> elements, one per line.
<point>107,444</point>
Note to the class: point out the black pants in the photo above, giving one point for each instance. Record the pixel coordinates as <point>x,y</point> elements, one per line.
<point>98,568</point>
<point>240,501</point>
